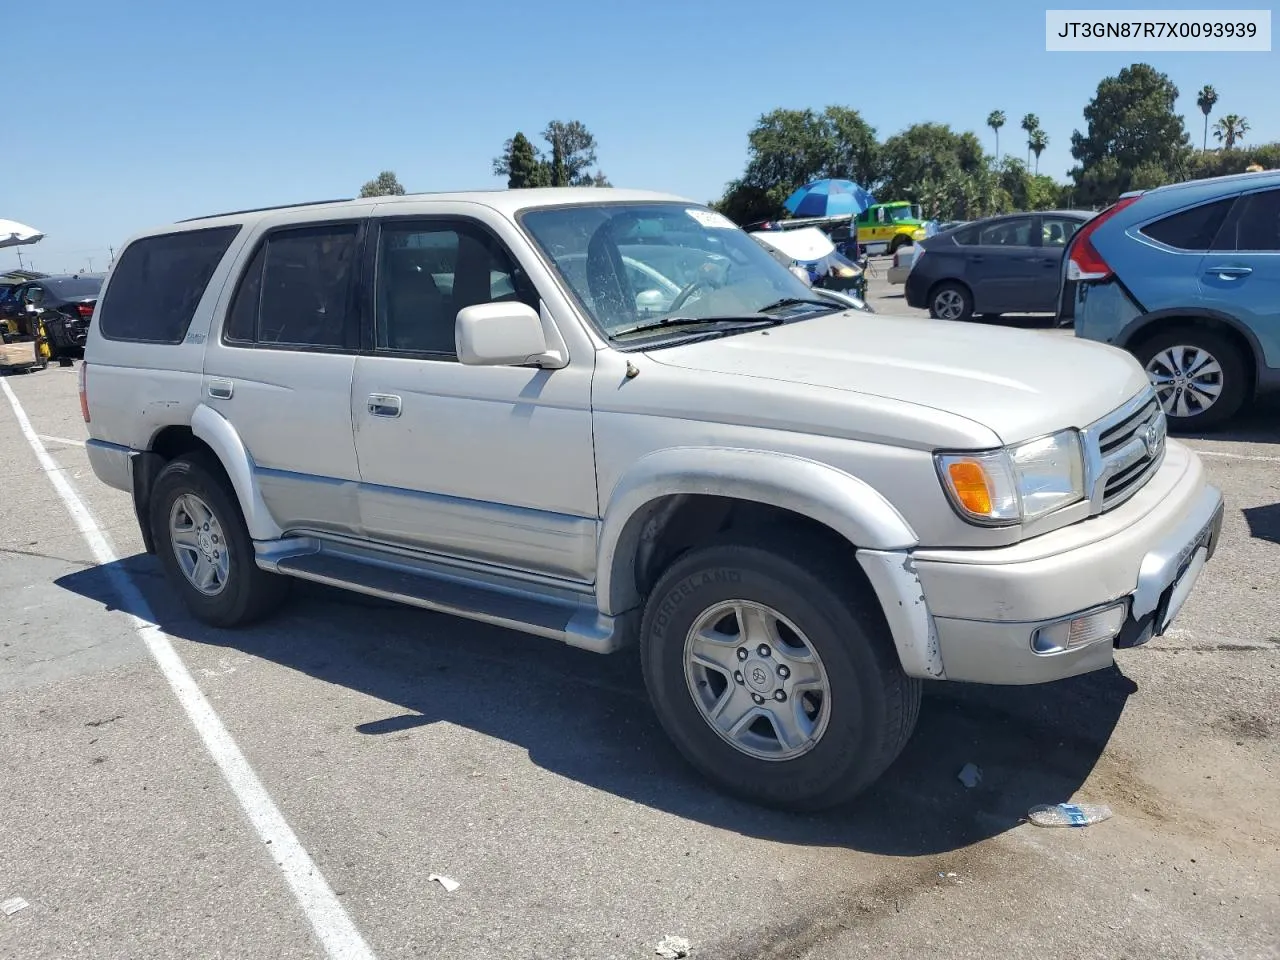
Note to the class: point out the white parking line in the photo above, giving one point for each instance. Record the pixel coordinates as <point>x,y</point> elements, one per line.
<point>66,440</point>
<point>1237,456</point>
<point>333,927</point>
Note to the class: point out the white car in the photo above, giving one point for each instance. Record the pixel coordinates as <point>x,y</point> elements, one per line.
<point>903,260</point>
<point>800,512</point>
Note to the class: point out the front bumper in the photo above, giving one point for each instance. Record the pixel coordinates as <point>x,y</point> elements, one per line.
<point>985,612</point>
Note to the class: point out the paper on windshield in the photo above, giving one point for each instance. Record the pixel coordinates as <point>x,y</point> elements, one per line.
<point>712,220</point>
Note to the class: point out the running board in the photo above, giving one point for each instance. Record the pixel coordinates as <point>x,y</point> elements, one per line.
<point>561,614</point>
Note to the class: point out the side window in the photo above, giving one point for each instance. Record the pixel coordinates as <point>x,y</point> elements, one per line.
<point>1258,225</point>
<point>967,237</point>
<point>158,283</point>
<point>1056,231</point>
<point>306,282</point>
<point>241,325</point>
<point>1192,229</point>
<point>427,272</point>
<point>34,294</point>
<point>1006,233</point>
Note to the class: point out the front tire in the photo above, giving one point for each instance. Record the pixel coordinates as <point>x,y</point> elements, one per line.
<point>816,709</point>
<point>951,301</point>
<point>1200,377</point>
<point>205,549</point>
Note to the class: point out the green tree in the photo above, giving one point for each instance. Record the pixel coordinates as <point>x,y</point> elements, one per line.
<point>1037,141</point>
<point>1030,123</point>
<point>384,184</point>
<point>1132,129</point>
<point>1230,130</point>
<point>946,172</point>
<point>788,148</point>
<point>600,180</point>
<point>995,120</point>
<point>1206,100</point>
<point>571,153</point>
<point>521,164</point>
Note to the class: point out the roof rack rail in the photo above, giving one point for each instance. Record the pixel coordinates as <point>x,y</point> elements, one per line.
<point>281,206</point>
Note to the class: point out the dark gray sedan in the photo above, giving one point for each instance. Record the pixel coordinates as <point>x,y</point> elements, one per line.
<point>1005,264</point>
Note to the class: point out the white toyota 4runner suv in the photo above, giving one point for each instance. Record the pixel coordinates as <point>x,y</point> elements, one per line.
<point>610,417</point>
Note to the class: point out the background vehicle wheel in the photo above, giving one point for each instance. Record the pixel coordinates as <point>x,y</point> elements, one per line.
<point>950,301</point>
<point>777,680</point>
<point>205,548</point>
<point>1199,376</point>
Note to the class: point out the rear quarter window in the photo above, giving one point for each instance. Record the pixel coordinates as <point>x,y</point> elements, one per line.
<point>158,283</point>
<point>1192,229</point>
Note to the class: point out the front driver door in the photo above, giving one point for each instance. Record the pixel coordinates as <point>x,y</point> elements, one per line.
<point>483,464</point>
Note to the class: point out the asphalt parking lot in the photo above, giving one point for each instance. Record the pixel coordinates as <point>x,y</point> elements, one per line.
<point>398,744</point>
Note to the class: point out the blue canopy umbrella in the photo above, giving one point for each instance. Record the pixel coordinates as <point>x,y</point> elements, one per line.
<point>829,198</point>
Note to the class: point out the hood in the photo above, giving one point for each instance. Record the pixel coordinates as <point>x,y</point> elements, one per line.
<point>1019,384</point>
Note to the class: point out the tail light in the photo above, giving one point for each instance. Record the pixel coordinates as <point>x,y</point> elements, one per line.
<point>1084,262</point>
<point>85,310</point>
<point>84,391</point>
<point>897,260</point>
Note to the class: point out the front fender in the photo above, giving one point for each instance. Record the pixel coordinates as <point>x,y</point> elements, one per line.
<point>836,499</point>
<point>215,430</point>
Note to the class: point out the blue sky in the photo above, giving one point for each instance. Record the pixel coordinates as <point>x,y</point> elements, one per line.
<point>153,111</point>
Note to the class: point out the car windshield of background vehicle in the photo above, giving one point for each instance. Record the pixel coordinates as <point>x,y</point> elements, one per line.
<point>631,265</point>
<point>75,286</point>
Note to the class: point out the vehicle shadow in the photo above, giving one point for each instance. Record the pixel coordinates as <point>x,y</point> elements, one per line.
<point>1258,423</point>
<point>587,717</point>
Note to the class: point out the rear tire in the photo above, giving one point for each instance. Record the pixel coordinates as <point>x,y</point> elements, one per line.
<point>951,301</point>
<point>204,546</point>
<point>1200,376</point>
<point>843,731</point>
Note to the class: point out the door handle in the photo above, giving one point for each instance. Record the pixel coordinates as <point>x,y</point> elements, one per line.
<point>975,258</point>
<point>1230,273</point>
<point>384,405</point>
<point>221,389</point>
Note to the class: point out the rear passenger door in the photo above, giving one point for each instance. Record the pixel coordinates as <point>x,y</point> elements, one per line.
<point>280,371</point>
<point>1240,276</point>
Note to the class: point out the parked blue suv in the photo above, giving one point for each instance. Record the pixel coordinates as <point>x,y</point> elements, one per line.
<point>1187,278</point>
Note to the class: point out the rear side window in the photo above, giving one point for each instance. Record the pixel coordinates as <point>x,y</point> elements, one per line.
<point>296,291</point>
<point>1257,226</point>
<point>158,283</point>
<point>1192,229</point>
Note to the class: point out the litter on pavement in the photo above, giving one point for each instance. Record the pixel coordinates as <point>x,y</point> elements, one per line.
<point>13,905</point>
<point>1068,814</point>
<point>448,883</point>
<point>672,948</point>
<point>969,775</point>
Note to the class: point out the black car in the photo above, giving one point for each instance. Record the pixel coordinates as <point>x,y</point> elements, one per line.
<point>1005,264</point>
<point>65,304</point>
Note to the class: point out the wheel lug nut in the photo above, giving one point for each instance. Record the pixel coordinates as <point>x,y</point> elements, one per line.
<point>737,675</point>
<point>783,672</point>
<point>742,653</point>
<point>763,650</point>
<point>780,695</point>
<point>757,698</point>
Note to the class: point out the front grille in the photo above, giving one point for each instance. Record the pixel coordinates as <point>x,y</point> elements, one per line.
<point>1127,448</point>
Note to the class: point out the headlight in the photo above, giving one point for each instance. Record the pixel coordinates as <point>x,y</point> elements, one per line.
<point>1015,484</point>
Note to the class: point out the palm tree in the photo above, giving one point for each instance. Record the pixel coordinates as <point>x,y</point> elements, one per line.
<point>1230,129</point>
<point>1037,142</point>
<point>995,120</point>
<point>1029,123</point>
<point>1206,100</point>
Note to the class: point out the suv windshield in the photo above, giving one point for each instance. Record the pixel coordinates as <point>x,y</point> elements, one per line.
<point>636,264</point>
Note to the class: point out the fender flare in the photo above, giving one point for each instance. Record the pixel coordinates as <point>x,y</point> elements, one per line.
<point>1144,322</point>
<point>838,500</point>
<point>215,430</point>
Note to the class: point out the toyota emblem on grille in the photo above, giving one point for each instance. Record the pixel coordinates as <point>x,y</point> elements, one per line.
<point>1153,438</point>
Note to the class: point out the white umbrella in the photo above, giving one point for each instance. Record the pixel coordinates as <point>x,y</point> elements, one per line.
<point>14,234</point>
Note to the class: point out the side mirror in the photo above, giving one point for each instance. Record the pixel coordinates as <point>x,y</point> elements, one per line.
<point>503,335</point>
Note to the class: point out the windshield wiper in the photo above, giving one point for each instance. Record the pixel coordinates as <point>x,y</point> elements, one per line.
<point>666,323</point>
<point>797,302</point>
